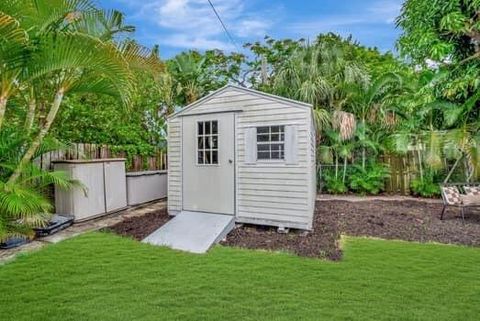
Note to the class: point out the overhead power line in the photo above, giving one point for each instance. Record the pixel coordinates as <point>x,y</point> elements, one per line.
<point>223,25</point>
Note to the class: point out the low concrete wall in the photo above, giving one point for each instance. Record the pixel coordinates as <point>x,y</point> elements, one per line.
<point>146,186</point>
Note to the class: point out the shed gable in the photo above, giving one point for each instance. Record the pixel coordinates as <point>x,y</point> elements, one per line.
<point>233,98</point>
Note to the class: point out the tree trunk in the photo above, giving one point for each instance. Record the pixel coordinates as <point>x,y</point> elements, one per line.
<point>364,157</point>
<point>344,169</point>
<point>453,168</point>
<point>364,150</point>
<point>30,115</point>
<point>336,167</point>
<point>3,108</point>
<point>420,166</point>
<point>27,157</point>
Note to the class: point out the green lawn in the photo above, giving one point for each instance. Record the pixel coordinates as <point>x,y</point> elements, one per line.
<point>104,277</point>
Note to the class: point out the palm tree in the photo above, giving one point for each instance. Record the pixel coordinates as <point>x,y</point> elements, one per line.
<point>440,129</point>
<point>49,49</point>
<point>24,204</point>
<point>372,103</point>
<point>319,74</point>
<point>188,70</point>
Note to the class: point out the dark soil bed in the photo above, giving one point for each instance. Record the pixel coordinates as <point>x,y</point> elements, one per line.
<point>404,220</point>
<point>140,227</point>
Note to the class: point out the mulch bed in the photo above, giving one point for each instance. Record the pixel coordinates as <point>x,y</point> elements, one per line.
<point>140,227</point>
<point>409,220</point>
<point>403,220</point>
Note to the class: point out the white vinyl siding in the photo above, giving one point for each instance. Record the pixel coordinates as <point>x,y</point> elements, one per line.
<point>174,165</point>
<point>279,192</point>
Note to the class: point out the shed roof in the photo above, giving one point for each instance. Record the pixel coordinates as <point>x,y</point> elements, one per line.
<point>238,88</point>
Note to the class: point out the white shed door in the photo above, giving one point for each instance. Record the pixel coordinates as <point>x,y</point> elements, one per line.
<point>209,163</point>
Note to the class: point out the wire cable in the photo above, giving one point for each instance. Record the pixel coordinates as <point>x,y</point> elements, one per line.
<point>223,25</point>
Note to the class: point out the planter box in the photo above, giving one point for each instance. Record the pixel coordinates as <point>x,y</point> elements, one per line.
<point>146,186</point>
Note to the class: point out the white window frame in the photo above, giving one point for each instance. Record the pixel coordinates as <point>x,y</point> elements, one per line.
<point>204,136</point>
<point>281,134</point>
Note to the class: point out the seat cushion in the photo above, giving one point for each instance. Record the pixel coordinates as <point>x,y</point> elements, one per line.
<point>451,195</point>
<point>472,190</point>
<point>471,200</point>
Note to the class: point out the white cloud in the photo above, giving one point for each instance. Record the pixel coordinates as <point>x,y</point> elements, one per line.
<point>326,24</point>
<point>386,11</point>
<point>200,43</point>
<point>193,24</point>
<point>379,12</point>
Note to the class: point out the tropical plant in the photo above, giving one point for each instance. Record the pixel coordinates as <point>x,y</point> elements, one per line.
<point>333,183</point>
<point>48,50</point>
<point>369,179</point>
<point>425,186</point>
<point>374,103</point>
<point>25,203</point>
<point>318,74</point>
<point>193,74</point>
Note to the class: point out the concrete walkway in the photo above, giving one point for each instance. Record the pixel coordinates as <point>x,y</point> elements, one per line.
<point>192,231</point>
<point>80,228</point>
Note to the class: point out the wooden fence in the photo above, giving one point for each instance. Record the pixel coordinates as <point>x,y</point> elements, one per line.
<point>95,151</point>
<point>403,169</point>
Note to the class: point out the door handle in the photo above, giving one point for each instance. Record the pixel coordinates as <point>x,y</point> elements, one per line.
<point>230,161</point>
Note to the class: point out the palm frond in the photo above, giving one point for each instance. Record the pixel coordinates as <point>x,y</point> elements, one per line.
<point>70,57</point>
<point>10,30</point>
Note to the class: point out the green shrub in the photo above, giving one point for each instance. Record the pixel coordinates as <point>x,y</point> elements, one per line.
<point>426,187</point>
<point>369,180</point>
<point>333,184</point>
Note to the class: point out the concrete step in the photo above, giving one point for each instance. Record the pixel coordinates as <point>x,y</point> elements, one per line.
<point>193,232</point>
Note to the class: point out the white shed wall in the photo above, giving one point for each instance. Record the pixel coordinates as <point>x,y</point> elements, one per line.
<point>267,192</point>
<point>174,166</point>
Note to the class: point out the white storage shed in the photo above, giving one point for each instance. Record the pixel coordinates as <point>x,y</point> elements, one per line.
<point>244,153</point>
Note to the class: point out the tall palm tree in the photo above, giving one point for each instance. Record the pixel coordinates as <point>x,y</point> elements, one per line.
<point>372,103</point>
<point>188,70</point>
<point>49,49</point>
<point>319,74</point>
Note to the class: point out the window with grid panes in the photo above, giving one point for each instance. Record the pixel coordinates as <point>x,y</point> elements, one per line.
<point>207,142</point>
<point>270,142</point>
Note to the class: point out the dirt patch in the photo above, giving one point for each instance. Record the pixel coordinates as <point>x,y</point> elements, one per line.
<point>412,220</point>
<point>140,227</point>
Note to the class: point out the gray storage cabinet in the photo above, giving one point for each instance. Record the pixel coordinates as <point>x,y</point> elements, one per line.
<point>146,186</point>
<point>104,191</point>
<point>244,153</point>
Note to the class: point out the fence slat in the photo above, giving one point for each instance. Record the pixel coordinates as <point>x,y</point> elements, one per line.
<point>95,151</point>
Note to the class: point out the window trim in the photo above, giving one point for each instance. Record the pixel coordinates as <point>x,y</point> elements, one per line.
<point>270,142</point>
<point>203,135</point>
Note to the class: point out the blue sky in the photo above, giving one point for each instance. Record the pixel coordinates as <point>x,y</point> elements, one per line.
<point>178,25</point>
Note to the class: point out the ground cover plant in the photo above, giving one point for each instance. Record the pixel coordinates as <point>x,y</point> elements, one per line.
<point>101,276</point>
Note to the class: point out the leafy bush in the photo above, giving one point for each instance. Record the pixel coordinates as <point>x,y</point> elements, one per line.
<point>369,180</point>
<point>333,184</point>
<point>24,203</point>
<point>426,187</point>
